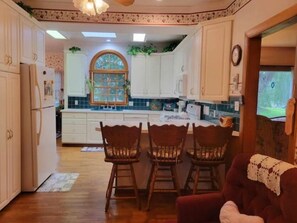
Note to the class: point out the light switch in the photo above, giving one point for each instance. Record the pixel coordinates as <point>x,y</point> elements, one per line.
<point>147,104</point>
<point>236,105</point>
<point>131,103</point>
<point>205,110</point>
<point>76,102</point>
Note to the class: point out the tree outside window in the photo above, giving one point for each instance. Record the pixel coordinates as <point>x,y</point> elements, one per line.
<point>108,76</point>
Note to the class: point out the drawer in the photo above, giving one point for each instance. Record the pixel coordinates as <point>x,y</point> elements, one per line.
<point>74,138</point>
<point>96,116</point>
<point>110,116</point>
<point>154,117</point>
<point>74,115</point>
<point>74,129</point>
<point>69,121</point>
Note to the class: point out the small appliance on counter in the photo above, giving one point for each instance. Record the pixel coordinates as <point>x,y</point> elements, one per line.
<point>181,105</point>
<point>194,111</point>
<point>156,105</point>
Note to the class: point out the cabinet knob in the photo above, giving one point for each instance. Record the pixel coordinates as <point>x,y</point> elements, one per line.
<point>8,134</point>
<point>11,133</point>
<point>10,60</point>
<point>203,90</point>
<point>6,59</point>
<point>191,91</point>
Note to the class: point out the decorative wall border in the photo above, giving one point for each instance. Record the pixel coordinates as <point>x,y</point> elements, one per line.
<point>57,15</point>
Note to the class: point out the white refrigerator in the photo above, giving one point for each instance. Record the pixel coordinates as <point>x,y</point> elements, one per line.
<point>39,156</point>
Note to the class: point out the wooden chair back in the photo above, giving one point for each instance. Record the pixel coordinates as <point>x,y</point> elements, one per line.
<point>210,142</point>
<point>120,141</point>
<point>167,141</point>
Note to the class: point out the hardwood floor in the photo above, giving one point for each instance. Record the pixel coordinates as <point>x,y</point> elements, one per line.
<point>86,200</point>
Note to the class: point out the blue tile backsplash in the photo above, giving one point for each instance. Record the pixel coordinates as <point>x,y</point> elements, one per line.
<point>215,110</point>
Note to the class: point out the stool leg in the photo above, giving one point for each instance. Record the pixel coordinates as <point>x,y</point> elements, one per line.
<point>152,184</point>
<point>189,178</point>
<point>135,185</point>
<point>197,172</point>
<point>217,177</point>
<point>110,185</point>
<point>175,179</point>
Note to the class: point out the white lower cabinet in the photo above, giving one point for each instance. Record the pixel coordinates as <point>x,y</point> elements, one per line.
<point>93,122</point>
<point>74,127</point>
<point>10,146</point>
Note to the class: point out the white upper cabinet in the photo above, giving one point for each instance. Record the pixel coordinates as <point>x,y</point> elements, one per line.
<point>166,75</point>
<point>215,59</point>
<point>9,41</point>
<point>76,70</point>
<point>152,75</point>
<point>138,76</point>
<point>32,42</point>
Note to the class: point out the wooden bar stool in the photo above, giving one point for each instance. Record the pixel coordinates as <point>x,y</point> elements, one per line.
<point>210,145</point>
<point>166,147</point>
<point>122,149</point>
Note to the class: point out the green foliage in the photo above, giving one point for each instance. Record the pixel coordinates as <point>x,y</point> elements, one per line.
<point>170,47</point>
<point>27,8</point>
<point>145,49</point>
<point>90,85</point>
<point>74,49</point>
<point>127,86</point>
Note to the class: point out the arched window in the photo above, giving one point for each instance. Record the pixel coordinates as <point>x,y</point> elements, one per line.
<point>108,74</point>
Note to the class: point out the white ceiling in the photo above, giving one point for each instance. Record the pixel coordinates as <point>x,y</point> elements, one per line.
<point>72,31</point>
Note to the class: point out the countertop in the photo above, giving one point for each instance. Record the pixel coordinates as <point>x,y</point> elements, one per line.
<point>126,111</point>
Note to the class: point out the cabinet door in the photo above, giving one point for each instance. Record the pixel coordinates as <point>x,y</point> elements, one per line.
<point>94,136</point>
<point>3,141</point>
<point>167,77</point>
<point>138,67</point>
<point>14,146</point>
<point>75,74</point>
<point>215,67</point>
<point>39,45</point>
<point>26,39</point>
<point>13,41</point>
<point>9,39</point>
<point>194,64</point>
<point>152,75</point>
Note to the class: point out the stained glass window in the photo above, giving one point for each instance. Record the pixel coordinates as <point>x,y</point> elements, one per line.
<point>108,75</point>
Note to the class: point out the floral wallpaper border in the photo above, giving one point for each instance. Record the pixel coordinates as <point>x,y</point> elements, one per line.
<point>55,60</point>
<point>58,15</point>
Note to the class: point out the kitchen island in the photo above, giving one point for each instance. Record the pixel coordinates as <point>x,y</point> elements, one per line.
<point>79,126</point>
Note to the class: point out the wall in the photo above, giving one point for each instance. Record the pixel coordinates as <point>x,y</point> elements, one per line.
<point>254,13</point>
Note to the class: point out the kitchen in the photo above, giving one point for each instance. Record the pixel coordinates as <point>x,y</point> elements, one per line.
<point>236,69</point>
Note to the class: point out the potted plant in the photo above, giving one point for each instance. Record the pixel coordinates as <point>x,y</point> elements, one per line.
<point>145,49</point>
<point>74,49</point>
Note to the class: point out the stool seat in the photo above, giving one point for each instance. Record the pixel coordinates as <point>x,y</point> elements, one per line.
<point>122,149</point>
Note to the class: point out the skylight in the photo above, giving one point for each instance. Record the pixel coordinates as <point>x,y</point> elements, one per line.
<point>55,34</point>
<point>99,34</point>
<point>138,37</point>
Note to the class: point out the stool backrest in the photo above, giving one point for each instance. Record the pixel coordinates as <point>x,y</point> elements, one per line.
<point>167,141</point>
<point>120,141</point>
<point>210,142</point>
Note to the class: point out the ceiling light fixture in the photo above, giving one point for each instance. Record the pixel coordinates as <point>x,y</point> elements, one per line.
<point>99,34</point>
<point>91,7</point>
<point>138,37</point>
<point>55,34</point>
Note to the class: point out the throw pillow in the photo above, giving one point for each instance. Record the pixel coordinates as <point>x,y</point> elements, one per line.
<point>229,214</point>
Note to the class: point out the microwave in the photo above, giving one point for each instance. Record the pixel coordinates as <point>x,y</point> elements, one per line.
<point>180,89</point>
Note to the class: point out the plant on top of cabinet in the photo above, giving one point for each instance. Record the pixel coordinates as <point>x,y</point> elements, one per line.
<point>27,8</point>
<point>74,49</point>
<point>170,47</point>
<point>145,49</point>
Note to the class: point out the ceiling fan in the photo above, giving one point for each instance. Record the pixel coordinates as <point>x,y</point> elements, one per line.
<point>125,2</point>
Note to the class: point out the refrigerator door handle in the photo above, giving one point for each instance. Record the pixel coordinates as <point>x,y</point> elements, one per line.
<point>39,92</point>
<point>40,126</point>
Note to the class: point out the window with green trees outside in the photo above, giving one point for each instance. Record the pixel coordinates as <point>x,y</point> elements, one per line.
<point>274,90</point>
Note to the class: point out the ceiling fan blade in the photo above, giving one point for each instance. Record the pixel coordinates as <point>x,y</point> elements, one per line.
<point>125,2</point>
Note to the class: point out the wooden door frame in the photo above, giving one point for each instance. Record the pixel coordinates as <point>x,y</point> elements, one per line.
<point>251,69</point>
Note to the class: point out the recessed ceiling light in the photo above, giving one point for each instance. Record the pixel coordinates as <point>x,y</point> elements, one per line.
<point>55,34</point>
<point>138,37</point>
<point>99,34</point>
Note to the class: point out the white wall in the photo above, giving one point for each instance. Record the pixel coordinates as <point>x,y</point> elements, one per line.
<point>254,13</point>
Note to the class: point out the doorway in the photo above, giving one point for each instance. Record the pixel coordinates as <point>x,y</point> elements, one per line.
<point>252,68</point>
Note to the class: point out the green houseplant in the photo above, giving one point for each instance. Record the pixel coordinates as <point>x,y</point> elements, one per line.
<point>27,8</point>
<point>74,49</point>
<point>145,49</point>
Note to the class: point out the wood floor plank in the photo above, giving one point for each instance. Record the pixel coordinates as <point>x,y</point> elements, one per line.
<point>86,200</point>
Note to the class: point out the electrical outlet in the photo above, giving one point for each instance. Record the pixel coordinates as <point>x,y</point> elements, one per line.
<point>131,103</point>
<point>205,110</point>
<point>236,105</point>
<point>76,102</point>
<point>147,104</point>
